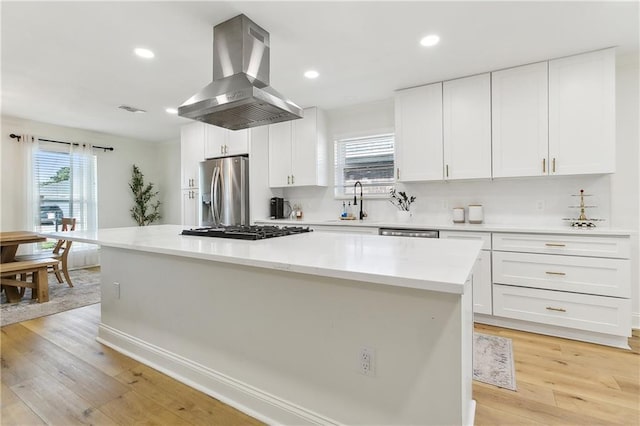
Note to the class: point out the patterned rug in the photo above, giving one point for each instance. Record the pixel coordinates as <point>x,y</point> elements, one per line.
<point>85,291</point>
<point>493,361</point>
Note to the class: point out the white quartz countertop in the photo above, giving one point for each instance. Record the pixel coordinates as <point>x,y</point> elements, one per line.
<point>483,227</point>
<point>427,264</point>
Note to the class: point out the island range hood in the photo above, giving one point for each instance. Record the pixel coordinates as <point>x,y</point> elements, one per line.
<point>240,96</point>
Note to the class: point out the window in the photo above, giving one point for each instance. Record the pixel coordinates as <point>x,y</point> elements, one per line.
<point>66,186</point>
<point>368,159</point>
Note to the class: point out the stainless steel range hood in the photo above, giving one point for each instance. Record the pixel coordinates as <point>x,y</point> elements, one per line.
<point>239,96</point>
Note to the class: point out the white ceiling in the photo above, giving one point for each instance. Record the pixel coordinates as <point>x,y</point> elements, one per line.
<point>71,63</point>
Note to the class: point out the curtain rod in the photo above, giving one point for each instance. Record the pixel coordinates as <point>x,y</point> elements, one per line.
<point>106,148</point>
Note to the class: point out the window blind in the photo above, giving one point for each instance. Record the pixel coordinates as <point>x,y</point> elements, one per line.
<point>368,159</point>
<point>61,187</point>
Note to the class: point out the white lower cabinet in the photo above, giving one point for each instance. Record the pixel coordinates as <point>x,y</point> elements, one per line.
<point>569,285</point>
<point>607,315</point>
<point>482,292</point>
<point>190,207</point>
<point>605,277</point>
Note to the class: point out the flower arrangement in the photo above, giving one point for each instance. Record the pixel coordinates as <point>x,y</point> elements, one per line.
<point>401,200</point>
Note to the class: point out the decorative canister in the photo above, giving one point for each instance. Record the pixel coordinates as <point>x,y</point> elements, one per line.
<point>475,213</point>
<point>458,215</point>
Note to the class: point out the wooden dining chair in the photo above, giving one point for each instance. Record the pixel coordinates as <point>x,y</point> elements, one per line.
<point>60,253</point>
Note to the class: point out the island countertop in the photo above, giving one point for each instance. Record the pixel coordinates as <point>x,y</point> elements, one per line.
<point>421,263</point>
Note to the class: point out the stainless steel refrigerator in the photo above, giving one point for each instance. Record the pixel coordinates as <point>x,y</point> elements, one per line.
<point>224,191</point>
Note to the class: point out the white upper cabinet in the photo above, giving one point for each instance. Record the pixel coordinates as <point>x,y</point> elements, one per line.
<point>519,106</point>
<point>191,153</point>
<point>582,113</point>
<point>467,127</point>
<point>298,151</point>
<point>418,133</point>
<point>221,142</point>
<point>280,138</point>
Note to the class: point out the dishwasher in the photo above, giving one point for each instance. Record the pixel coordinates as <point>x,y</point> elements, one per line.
<point>400,232</point>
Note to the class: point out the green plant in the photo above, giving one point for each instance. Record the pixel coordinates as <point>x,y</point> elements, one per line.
<point>142,195</point>
<point>401,200</point>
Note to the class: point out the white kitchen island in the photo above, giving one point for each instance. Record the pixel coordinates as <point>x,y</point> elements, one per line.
<point>276,327</point>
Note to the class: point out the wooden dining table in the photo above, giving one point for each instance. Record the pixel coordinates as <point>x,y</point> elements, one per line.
<point>9,243</point>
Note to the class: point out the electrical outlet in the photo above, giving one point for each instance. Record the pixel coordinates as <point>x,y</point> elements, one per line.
<point>540,205</point>
<point>116,286</point>
<point>366,361</point>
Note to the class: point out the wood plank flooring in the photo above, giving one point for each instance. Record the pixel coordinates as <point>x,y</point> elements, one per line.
<point>54,372</point>
<point>563,382</point>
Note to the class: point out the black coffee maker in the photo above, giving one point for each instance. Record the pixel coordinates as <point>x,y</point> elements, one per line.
<point>277,208</point>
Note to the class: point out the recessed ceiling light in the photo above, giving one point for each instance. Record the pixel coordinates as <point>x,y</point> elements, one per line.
<point>171,110</point>
<point>430,40</point>
<point>144,53</point>
<point>311,74</point>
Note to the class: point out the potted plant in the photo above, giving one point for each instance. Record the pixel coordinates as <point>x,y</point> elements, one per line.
<point>144,211</point>
<point>403,202</point>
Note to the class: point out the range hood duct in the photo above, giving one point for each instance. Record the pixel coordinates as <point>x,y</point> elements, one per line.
<point>240,96</point>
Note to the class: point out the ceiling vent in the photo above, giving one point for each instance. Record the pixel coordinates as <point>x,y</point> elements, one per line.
<point>131,109</point>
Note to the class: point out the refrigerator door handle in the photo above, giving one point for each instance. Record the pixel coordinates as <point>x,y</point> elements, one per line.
<point>215,202</point>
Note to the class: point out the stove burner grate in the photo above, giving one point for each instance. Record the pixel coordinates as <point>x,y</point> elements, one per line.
<point>253,232</point>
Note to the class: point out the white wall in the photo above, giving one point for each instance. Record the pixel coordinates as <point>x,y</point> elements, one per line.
<point>511,201</point>
<point>114,170</point>
<point>169,181</point>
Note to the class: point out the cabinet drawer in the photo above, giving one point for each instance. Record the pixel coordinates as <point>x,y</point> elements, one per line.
<point>574,245</point>
<point>607,277</point>
<point>485,237</point>
<point>608,315</point>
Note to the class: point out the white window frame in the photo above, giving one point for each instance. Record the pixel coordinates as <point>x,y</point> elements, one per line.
<point>339,188</point>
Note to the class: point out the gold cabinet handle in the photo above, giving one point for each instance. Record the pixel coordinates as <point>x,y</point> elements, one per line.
<point>554,245</point>
<point>551,308</point>
<point>544,165</point>
<point>447,168</point>
<point>288,180</point>
<point>293,180</point>
<point>398,173</point>
<point>555,273</point>
<point>553,166</point>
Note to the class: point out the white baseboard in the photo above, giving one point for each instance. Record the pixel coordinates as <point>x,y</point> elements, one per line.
<point>472,413</point>
<point>550,330</point>
<point>254,402</point>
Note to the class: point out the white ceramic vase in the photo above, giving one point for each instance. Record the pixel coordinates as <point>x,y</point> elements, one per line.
<point>403,216</point>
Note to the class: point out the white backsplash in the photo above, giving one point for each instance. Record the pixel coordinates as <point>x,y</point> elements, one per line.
<point>522,201</point>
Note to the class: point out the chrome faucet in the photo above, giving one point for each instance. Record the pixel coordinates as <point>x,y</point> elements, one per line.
<point>355,200</point>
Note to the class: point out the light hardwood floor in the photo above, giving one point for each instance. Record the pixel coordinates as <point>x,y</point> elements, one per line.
<point>54,372</point>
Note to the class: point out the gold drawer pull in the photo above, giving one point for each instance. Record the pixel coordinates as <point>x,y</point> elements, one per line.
<point>555,273</point>
<point>549,308</point>
<point>554,245</point>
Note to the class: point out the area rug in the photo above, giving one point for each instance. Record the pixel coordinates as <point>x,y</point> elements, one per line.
<point>493,361</point>
<point>85,291</point>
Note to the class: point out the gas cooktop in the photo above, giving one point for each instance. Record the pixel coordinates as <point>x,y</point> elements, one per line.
<point>245,232</point>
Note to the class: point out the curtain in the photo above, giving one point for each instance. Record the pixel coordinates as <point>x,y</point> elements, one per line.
<point>30,146</point>
<point>84,202</point>
<point>30,217</point>
<point>84,186</point>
